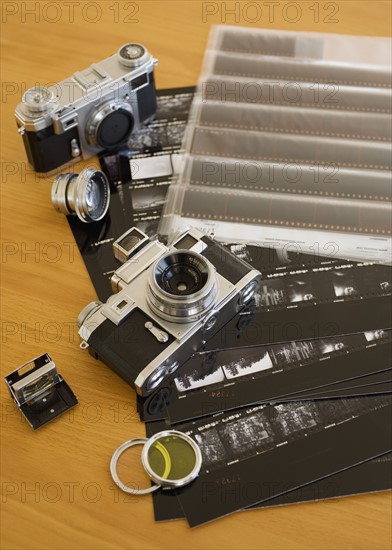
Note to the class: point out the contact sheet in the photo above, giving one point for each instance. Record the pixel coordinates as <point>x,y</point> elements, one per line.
<point>369,477</point>
<point>307,436</point>
<point>222,380</point>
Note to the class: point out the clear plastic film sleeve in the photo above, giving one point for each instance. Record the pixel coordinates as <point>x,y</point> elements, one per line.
<point>312,95</point>
<point>326,180</point>
<point>332,214</point>
<point>275,68</point>
<point>340,228</point>
<point>285,119</point>
<point>358,50</point>
<point>289,136</point>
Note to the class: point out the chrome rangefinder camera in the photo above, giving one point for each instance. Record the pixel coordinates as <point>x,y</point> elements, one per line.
<point>167,302</point>
<point>94,109</point>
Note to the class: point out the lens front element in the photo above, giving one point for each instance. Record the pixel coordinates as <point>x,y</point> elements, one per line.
<point>182,273</point>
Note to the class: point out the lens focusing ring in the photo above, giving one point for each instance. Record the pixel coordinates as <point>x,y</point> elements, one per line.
<point>186,304</point>
<point>75,194</point>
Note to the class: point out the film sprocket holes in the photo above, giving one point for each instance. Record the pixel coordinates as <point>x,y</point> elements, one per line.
<point>94,109</point>
<point>168,302</point>
<point>86,195</point>
<point>170,458</point>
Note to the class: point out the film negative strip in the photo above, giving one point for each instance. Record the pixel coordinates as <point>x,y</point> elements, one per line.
<point>377,383</point>
<point>311,302</point>
<point>226,379</point>
<point>355,281</point>
<point>324,180</point>
<point>244,210</point>
<point>292,444</point>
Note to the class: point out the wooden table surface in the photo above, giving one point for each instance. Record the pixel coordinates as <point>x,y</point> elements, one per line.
<point>56,487</point>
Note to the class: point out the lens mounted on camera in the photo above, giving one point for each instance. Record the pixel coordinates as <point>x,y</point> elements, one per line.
<point>182,286</point>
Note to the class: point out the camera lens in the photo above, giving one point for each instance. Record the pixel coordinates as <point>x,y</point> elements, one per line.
<point>110,124</point>
<point>87,195</point>
<point>182,286</point>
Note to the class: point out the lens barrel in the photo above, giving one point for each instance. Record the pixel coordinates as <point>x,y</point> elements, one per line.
<point>182,286</point>
<point>86,195</point>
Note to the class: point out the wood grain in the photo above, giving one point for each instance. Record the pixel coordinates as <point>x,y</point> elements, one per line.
<point>56,488</point>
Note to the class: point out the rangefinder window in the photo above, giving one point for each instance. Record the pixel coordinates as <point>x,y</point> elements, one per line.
<point>186,243</point>
<point>139,81</point>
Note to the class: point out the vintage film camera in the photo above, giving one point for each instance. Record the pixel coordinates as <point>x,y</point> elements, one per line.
<point>93,110</point>
<point>168,301</point>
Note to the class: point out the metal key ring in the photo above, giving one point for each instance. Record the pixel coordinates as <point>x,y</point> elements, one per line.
<point>113,468</point>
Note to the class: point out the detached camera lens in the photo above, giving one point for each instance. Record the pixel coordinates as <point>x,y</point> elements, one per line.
<point>86,195</point>
<point>182,286</point>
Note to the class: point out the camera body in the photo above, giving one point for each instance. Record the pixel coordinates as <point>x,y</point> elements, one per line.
<point>168,302</point>
<point>95,109</point>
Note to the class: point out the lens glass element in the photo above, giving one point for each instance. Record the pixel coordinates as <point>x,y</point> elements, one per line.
<point>96,196</point>
<point>181,273</point>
